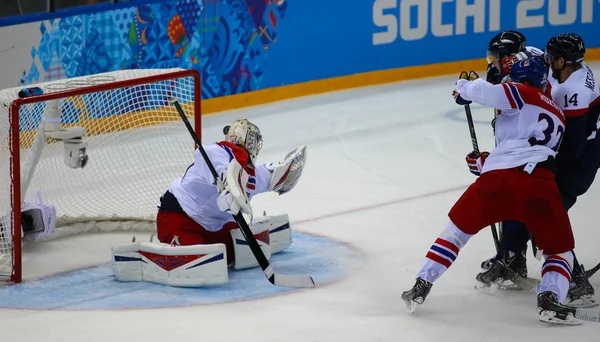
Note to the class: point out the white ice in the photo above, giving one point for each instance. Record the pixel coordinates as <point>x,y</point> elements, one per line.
<point>385,164</point>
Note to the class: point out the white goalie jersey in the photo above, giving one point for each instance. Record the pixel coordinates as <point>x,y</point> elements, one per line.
<point>197,191</point>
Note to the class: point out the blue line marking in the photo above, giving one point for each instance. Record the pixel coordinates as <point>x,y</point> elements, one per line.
<point>478,112</point>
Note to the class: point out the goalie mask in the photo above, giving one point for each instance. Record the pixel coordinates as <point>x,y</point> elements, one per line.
<point>246,134</point>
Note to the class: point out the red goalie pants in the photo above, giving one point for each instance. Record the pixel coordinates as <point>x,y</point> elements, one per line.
<point>514,194</point>
<point>171,224</point>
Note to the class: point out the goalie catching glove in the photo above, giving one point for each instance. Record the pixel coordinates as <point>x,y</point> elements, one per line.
<point>284,177</point>
<point>285,174</point>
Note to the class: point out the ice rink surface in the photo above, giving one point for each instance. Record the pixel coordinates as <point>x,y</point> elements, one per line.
<point>385,164</point>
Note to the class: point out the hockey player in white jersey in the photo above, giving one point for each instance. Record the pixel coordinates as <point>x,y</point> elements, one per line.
<point>573,88</point>
<point>516,182</point>
<point>504,50</point>
<point>198,234</point>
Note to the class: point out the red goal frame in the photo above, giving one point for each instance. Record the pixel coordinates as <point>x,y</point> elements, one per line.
<point>15,152</point>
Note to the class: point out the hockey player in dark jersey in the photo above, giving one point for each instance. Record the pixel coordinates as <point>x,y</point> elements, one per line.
<point>574,89</point>
<point>504,50</point>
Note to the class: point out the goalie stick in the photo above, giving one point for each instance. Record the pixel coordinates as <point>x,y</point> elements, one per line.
<point>297,281</point>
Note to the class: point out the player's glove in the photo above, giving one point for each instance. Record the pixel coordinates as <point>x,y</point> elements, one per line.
<point>492,75</point>
<point>459,99</point>
<point>507,62</point>
<point>463,78</point>
<point>475,161</point>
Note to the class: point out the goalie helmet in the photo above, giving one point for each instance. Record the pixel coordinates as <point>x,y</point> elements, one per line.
<point>246,134</point>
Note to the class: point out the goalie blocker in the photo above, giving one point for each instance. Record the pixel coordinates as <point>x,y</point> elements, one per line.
<point>198,265</point>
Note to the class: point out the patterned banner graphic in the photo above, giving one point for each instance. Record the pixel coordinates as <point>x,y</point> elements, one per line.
<point>227,41</point>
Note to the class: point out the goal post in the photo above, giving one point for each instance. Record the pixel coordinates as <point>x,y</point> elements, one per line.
<point>98,148</point>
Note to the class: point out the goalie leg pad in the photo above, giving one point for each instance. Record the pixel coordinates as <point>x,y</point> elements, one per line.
<point>183,266</point>
<point>244,258</point>
<point>280,231</point>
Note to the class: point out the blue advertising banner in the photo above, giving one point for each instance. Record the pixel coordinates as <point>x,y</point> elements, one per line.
<point>240,46</point>
<point>341,37</point>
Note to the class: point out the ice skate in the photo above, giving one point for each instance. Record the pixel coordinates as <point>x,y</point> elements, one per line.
<point>493,280</point>
<point>581,293</point>
<point>516,262</point>
<point>417,294</point>
<point>551,311</point>
<point>509,274</point>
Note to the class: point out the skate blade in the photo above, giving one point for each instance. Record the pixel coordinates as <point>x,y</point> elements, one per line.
<point>411,306</point>
<point>550,317</point>
<point>491,289</point>
<point>583,302</point>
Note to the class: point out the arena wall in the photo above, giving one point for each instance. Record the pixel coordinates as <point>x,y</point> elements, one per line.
<point>250,52</point>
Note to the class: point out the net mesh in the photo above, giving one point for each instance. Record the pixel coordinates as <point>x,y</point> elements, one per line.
<point>137,145</point>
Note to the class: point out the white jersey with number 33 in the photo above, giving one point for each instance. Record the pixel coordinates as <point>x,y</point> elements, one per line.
<point>529,128</point>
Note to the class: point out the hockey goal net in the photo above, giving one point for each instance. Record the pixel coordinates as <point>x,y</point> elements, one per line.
<point>134,139</point>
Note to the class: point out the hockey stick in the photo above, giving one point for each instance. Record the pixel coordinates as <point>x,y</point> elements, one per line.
<point>530,283</point>
<point>589,273</point>
<point>590,315</point>
<point>476,149</point>
<point>275,279</point>
<point>534,248</point>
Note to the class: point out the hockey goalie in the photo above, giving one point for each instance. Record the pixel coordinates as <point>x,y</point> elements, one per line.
<point>198,237</point>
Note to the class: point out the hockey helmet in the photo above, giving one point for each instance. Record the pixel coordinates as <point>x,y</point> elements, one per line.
<point>246,134</point>
<point>569,46</point>
<point>505,43</point>
<point>530,70</point>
